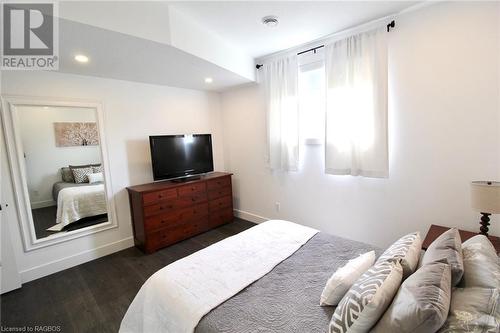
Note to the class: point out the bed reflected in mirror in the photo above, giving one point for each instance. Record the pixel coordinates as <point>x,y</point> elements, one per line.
<point>63,168</point>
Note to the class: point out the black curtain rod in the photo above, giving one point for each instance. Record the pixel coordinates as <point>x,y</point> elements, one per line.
<point>389,26</point>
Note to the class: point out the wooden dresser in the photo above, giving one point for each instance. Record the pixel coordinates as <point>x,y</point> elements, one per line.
<point>167,212</point>
<point>436,230</point>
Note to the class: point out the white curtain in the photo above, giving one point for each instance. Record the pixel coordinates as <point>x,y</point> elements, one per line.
<point>280,81</point>
<point>356,115</point>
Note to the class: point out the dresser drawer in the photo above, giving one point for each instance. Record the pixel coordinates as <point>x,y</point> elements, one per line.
<point>217,183</point>
<point>154,197</point>
<point>221,192</point>
<point>193,212</point>
<point>160,221</point>
<point>192,199</point>
<point>160,208</point>
<point>220,217</point>
<point>175,233</point>
<point>192,188</point>
<point>220,203</point>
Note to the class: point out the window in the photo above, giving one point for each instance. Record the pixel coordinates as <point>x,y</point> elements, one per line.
<point>312,98</point>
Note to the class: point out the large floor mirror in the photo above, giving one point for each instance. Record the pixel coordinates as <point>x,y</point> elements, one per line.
<point>61,182</point>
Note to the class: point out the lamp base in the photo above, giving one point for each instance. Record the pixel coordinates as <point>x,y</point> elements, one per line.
<point>485,222</point>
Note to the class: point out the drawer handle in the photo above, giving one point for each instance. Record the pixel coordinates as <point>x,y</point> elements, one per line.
<point>162,221</point>
<point>160,196</point>
<point>193,199</point>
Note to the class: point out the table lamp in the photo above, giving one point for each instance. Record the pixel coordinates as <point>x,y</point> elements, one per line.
<point>485,198</point>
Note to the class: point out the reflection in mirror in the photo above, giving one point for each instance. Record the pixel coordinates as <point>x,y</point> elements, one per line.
<point>63,168</point>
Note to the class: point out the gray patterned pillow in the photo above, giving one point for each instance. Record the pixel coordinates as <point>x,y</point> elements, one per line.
<point>481,263</point>
<point>67,175</point>
<point>368,298</point>
<point>96,168</point>
<point>407,250</point>
<point>81,175</point>
<point>473,310</point>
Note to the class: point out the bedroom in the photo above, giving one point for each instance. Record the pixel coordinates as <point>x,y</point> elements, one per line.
<point>443,132</point>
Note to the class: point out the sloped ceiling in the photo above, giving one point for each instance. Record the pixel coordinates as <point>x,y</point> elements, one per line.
<point>181,43</point>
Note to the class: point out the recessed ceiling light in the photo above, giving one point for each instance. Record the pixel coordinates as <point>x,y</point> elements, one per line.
<point>209,80</point>
<point>81,58</point>
<point>270,21</point>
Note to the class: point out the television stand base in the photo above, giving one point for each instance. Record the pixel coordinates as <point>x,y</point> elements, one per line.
<point>185,179</point>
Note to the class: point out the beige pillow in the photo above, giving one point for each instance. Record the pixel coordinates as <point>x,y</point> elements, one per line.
<point>340,282</point>
<point>447,247</point>
<point>422,302</point>
<point>473,310</point>
<point>368,298</point>
<point>407,250</point>
<point>481,263</point>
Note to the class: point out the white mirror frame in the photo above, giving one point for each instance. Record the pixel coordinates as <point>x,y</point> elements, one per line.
<point>18,173</point>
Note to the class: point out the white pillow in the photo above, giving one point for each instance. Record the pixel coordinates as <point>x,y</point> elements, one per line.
<point>96,177</point>
<point>340,282</point>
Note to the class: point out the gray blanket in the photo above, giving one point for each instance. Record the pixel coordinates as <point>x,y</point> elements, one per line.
<point>287,298</point>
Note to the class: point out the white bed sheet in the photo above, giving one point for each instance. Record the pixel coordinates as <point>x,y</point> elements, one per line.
<point>75,203</point>
<point>175,298</point>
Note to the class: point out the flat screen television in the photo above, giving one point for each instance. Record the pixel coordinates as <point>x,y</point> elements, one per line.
<point>176,156</point>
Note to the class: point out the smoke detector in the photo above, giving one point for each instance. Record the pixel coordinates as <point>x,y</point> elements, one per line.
<point>270,21</point>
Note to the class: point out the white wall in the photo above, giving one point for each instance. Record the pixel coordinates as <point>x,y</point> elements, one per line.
<point>444,119</point>
<point>43,159</point>
<point>132,112</point>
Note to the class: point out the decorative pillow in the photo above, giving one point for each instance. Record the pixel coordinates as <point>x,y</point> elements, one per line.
<point>340,282</point>
<point>474,310</point>
<point>81,174</point>
<point>407,250</point>
<point>96,168</point>
<point>67,175</point>
<point>481,263</point>
<point>448,246</point>
<point>96,178</point>
<point>422,302</point>
<point>367,299</point>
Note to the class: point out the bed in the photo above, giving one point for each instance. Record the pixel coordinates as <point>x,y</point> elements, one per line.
<point>77,201</point>
<point>264,301</point>
<point>269,278</point>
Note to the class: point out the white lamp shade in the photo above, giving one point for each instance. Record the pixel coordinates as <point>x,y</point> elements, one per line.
<point>485,197</point>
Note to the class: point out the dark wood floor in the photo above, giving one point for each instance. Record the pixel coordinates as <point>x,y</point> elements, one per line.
<point>45,217</point>
<point>94,296</point>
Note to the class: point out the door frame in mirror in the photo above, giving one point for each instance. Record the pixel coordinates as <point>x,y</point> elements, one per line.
<point>17,170</point>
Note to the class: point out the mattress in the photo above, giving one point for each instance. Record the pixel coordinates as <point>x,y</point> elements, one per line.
<point>287,298</point>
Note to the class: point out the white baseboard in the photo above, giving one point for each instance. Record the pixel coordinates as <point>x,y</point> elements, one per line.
<point>249,216</point>
<point>74,260</point>
<point>43,204</point>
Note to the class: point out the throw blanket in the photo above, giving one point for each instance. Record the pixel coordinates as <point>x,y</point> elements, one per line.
<point>74,203</point>
<point>175,298</point>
